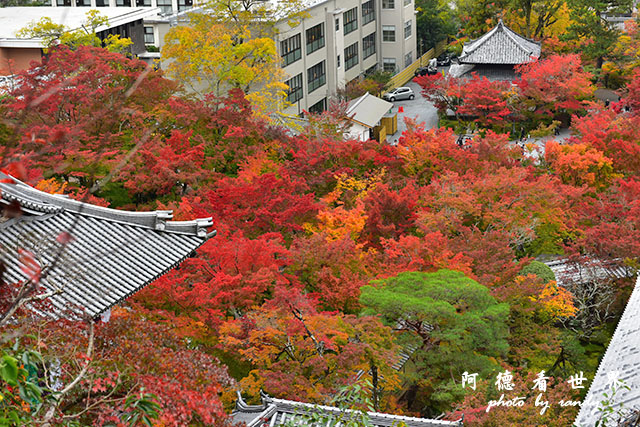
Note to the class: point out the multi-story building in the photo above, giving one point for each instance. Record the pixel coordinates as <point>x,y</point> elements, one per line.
<point>341,40</point>
<point>336,41</point>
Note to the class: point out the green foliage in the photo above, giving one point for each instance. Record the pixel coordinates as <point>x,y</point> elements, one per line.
<point>20,393</point>
<point>540,269</point>
<point>435,21</point>
<point>455,322</point>
<point>589,25</point>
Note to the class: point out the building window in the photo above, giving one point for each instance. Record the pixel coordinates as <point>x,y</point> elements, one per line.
<point>408,59</point>
<point>294,94</point>
<point>407,2</point>
<point>185,4</point>
<point>350,20</point>
<point>351,56</point>
<point>319,106</point>
<point>102,3</point>
<point>407,29</point>
<point>389,65</point>
<point>315,38</point>
<point>123,3</point>
<point>337,24</point>
<point>165,6</point>
<point>316,76</point>
<point>143,3</point>
<point>81,3</point>
<point>291,50</point>
<point>63,2</point>
<point>369,45</point>
<point>388,33</point>
<point>148,35</point>
<point>338,61</point>
<point>368,12</point>
<point>388,4</point>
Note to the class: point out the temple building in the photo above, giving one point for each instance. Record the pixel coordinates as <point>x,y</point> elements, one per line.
<point>278,412</point>
<point>92,257</point>
<point>495,54</point>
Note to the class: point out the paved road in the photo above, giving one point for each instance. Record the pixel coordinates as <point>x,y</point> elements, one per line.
<point>419,109</point>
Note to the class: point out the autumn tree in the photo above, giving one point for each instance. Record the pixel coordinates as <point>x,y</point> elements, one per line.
<point>590,25</point>
<point>207,57</point>
<point>298,353</point>
<point>454,322</point>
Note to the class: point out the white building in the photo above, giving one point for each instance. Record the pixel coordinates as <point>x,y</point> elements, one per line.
<point>341,40</point>
<point>337,41</point>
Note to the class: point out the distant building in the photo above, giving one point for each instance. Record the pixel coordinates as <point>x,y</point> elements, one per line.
<point>341,40</point>
<point>17,53</point>
<point>364,114</point>
<point>495,54</point>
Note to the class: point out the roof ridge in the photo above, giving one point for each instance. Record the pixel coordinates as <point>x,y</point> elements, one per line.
<point>356,103</point>
<point>39,200</point>
<point>512,35</point>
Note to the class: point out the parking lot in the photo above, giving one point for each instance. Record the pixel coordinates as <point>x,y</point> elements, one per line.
<point>419,109</point>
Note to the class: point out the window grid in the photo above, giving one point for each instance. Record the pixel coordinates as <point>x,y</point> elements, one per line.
<point>407,2</point>
<point>316,76</point>
<point>165,6</point>
<point>388,33</point>
<point>291,50</point>
<point>389,64</point>
<point>315,38</point>
<point>369,45</point>
<point>294,94</point>
<point>368,12</point>
<point>350,20</point>
<point>408,59</point>
<point>407,29</point>
<point>351,56</point>
<point>319,106</point>
<point>148,35</point>
<point>388,4</point>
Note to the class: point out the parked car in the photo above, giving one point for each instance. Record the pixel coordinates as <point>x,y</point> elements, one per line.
<point>423,71</point>
<point>444,60</point>
<point>398,94</point>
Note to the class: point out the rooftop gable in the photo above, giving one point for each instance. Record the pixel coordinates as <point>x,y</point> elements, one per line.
<point>500,46</point>
<point>368,109</point>
<point>277,412</point>
<point>111,254</point>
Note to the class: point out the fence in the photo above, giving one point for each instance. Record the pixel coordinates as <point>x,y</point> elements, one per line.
<point>407,74</point>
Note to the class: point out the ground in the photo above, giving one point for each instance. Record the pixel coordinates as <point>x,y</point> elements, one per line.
<point>419,109</point>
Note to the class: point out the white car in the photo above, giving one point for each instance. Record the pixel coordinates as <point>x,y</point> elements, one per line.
<point>398,94</point>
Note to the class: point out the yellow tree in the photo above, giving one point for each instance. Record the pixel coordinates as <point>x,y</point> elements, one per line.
<point>54,34</point>
<point>231,45</point>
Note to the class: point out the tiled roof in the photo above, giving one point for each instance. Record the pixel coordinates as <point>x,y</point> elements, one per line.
<point>500,46</point>
<point>111,253</point>
<point>585,270</point>
<point>276,412</point>
<point>368,109</point>
<point>621,362</point>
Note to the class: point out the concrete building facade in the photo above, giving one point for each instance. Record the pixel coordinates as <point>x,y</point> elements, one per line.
<point>341,40</point>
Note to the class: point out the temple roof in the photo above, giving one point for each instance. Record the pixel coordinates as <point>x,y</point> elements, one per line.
<point>621,362</point>
<point>110,254</point>
<point>277,412</point>
<point>500,46</point>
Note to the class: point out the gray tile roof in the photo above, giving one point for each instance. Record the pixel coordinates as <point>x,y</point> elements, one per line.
<point>276,412</point>
<point>501,45</point>
<point>621,361</point>
<point>111,254</point>
<point>585,270</point>
<point>368,109</point>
